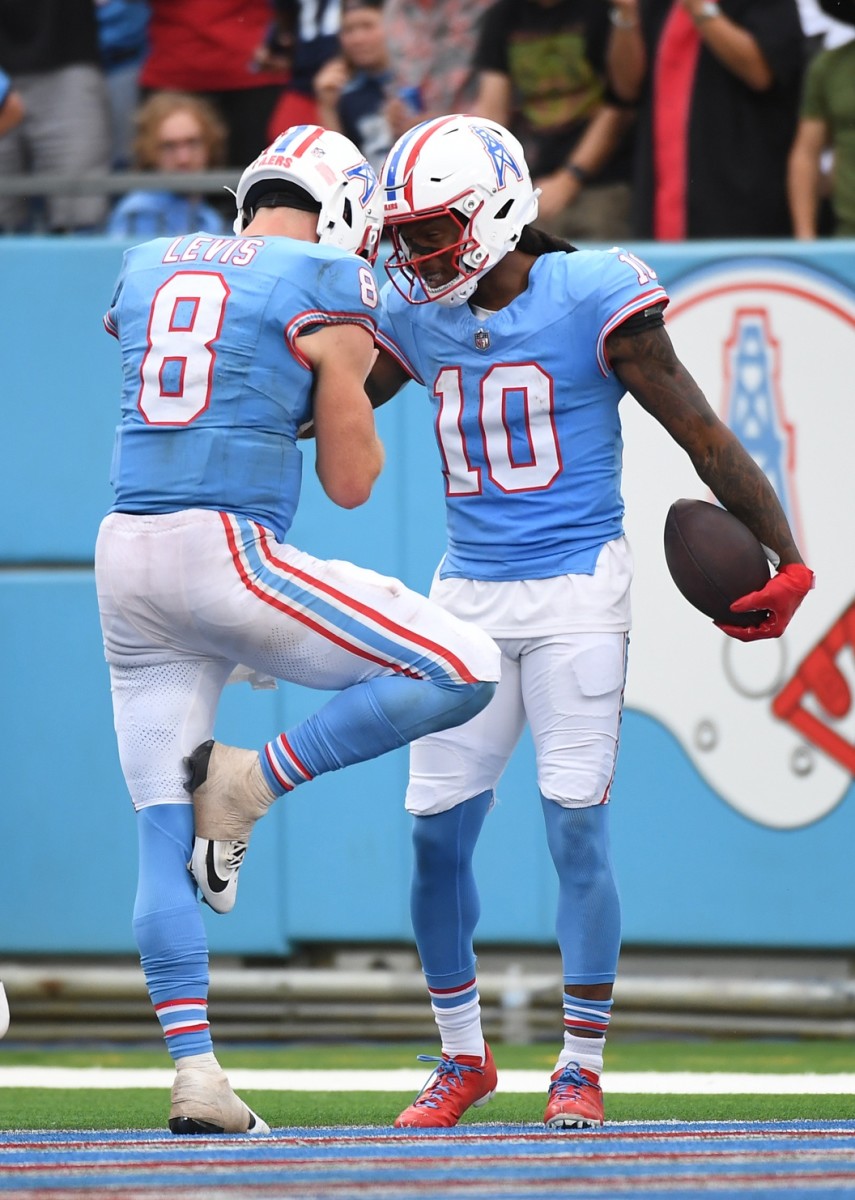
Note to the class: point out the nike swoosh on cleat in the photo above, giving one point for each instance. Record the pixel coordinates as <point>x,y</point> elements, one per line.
<point>214,882</point>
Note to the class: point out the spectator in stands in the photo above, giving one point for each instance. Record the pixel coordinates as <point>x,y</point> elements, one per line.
<point>49,49</point>
<point>827,122</point>
<point>431,47</point>
<point>718,91</point>
<point>11,105</point>
<point>541,73</point>
<point>123,40</point>
<point>175,132</point>
<point>352,88</point>
<point>208,47</point>
<point>303,37</point>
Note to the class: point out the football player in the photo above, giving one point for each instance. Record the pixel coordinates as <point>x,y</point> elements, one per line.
<point>229,345</point>
<point>525,348</point>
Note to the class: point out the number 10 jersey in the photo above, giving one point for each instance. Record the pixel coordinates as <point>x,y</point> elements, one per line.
<point>526,413</point>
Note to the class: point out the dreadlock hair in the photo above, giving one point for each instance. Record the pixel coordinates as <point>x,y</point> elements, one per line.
<point>537,241</point>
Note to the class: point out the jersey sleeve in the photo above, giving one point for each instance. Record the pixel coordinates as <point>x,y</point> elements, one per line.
<point>395,332</point>
<point>111,316</point>
<point>344,292</point>
<point>627,286</point>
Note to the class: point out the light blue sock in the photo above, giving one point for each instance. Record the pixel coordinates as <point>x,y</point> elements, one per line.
<point>445,908</point>
<point>444,903</point>
<point>365,721</point>
<point>588,921</point>
<point>169,930</point>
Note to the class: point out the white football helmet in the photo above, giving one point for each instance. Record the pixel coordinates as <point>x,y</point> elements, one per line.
<point>334,172</point>
<point>470,169</point>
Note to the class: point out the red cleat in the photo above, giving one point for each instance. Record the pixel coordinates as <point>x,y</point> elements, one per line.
<point>456,1084</point>
<point>575,1099</point>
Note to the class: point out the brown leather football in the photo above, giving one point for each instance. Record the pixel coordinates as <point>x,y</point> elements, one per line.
<point>714,559</point>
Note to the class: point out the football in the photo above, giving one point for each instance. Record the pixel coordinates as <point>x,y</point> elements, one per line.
<point>713,559</point>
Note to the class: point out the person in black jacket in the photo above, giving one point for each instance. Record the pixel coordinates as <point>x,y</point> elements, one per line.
<point>718,88</point>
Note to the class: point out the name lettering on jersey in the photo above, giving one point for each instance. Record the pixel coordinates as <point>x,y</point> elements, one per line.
<point>500,156</point>
<point>237,251</point>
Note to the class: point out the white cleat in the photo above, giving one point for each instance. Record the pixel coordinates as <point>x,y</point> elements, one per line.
<point>229,795</point>
<point>4,1012</point>
<point>203,1103</point>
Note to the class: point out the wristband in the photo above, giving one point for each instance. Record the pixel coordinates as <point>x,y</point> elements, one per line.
<point>578,173</point>
<point>620,21</point>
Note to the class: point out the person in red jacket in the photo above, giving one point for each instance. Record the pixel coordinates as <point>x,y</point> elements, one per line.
<point>209,47</point>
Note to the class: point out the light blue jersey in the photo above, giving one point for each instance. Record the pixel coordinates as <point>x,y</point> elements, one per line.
<point>215,386</point>
<point>526,413</point>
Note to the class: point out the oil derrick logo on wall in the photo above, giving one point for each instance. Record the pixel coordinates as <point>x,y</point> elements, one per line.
<point>754,410</point>
<point>753,407</point>
<point>770,726</point>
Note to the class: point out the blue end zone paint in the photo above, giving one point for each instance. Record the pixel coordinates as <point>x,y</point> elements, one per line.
<point>661,1159</point>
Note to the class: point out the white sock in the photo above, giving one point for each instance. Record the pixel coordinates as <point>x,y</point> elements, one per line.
<point>460,1029</point>
<point>587,1052</point>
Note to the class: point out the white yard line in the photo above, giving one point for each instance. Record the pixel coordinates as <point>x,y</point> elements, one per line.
<point>408,1080</point>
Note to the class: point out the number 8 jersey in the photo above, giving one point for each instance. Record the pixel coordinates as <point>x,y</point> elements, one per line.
<point>526,413</point>
<point>215,387</point>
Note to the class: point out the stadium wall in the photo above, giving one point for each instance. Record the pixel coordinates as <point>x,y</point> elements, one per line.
<point>733,826</point>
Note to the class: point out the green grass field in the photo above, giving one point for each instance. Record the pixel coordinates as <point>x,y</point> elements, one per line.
<point>44,1108</point>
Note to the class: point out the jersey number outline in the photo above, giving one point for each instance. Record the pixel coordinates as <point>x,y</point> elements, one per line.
<point>177,370</point>
<point>501,438</point>
<point>368,288</point>
<point>644,273</point>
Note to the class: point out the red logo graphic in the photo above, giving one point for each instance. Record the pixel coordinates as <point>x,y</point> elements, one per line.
<point>820,679</point>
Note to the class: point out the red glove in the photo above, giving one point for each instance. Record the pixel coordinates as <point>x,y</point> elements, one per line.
<point>779,598</point>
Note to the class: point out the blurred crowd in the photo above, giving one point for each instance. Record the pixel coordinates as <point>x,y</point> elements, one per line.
<point>661,119</point>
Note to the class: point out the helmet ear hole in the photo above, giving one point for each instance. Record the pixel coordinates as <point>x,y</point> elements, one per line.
<point>504,210</point>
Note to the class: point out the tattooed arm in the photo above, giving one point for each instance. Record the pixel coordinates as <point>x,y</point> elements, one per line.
<point>649,369</point>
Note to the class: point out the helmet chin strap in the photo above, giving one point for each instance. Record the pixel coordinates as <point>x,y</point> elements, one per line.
<point>460,294</point>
